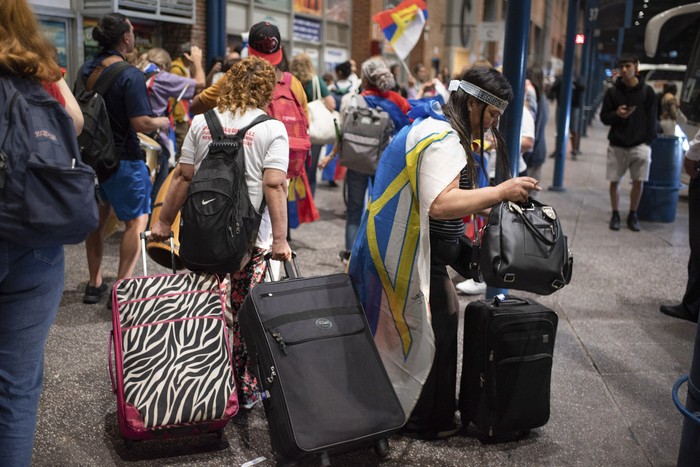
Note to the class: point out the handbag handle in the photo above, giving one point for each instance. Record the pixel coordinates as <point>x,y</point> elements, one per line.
<point>519,210</point>
<point>316,88</point>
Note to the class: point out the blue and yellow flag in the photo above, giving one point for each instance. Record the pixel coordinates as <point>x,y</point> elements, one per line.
<point>390,267</point>
<point>403,25</point>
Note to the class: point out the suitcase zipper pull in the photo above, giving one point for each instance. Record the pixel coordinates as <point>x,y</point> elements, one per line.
<point>482,380</point>
<point>491,356</point>
<point>278,337</point>
<point>273,373</point>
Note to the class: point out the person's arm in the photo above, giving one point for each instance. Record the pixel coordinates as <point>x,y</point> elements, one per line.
<point>275,192</point>
<point>214,70</point>
<point>72,106</point>
<point>691,162</point>
<point>195,56</point>
<point>174,199</point>
<point>325,160</point>
<point>454,202</point>
<point>147,124</point>
<point>206,99</point>
<point>608,111</point>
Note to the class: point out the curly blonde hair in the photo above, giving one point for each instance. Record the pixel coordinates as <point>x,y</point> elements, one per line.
<point>247,85</point>
<point>24,50</point>
<point>302,68</point>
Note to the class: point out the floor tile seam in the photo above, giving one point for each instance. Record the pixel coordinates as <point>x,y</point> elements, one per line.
<point>608,391</point>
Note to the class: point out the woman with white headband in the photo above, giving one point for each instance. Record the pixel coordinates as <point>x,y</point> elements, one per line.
<point>426,183</point>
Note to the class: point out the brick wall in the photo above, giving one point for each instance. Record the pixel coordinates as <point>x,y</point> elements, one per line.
<point>175,34</point>
<point>361,48</point>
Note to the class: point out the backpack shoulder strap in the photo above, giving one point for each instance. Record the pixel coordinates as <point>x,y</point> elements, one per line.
<point>105,80</point>
<point>286,78</point>
<point>242,132</point>
<point>215,129</point>
<point>79,84</point>
<point>259,119</point>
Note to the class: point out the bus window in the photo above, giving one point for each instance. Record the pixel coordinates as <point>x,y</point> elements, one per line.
<point>690,94</point>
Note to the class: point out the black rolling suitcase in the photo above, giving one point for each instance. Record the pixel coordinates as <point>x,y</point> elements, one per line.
<point>507,365</point>
<point>324,386</point>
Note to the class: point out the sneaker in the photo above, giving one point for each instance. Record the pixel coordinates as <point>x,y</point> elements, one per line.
<point>93,294</point>
<point>109,299</point>
<point>344,256</point>
<point>471,287</point>
<point>615,221</point>
<point>633,222</point>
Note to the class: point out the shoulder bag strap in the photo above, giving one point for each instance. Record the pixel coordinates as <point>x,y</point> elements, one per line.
<point>316,89</point>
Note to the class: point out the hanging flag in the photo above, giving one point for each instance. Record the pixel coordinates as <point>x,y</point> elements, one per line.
<point>300,203</point>
<point>402,25</point>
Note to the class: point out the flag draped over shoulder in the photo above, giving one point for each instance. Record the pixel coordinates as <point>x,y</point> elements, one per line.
<point>390,267</point>
<point>403,25</point>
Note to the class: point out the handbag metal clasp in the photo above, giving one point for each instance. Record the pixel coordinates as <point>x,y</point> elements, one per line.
<point>514,207</point>
<point>549,212</point>
<point>557,284</point>
<point>509,277</point>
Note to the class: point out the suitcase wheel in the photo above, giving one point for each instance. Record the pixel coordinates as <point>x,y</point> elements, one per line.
<point>325,459</point>
<point>220,434</point>
<point>129,443</point>
<point>381,447</point>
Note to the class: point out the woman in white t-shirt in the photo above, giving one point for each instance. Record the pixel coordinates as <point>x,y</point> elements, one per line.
<point>246,91</point>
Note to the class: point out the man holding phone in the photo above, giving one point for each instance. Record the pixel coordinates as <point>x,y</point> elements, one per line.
<point>629,107</point>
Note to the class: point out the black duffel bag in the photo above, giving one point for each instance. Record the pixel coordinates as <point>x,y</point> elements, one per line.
<point>523,248</point>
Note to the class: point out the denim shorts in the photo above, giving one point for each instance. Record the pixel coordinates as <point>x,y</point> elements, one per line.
<point>129,190</point>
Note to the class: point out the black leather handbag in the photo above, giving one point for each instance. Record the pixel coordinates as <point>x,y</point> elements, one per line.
<point>523,248</point>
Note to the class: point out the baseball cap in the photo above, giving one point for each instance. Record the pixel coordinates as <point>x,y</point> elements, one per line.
<point>264,41</point>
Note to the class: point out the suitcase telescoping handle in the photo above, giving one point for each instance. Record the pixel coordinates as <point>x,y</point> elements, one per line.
<point>291,269</point>
<point>508,300</point>
<point>144,237</point>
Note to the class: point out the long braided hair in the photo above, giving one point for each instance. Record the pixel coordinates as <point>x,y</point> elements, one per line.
<point>457,112</point>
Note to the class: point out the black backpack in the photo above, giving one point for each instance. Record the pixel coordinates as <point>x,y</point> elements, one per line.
<point>96,140</point>
<point>47,193</point>
<point>219,225</point>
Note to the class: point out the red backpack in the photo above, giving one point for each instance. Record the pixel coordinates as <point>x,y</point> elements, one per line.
<point>286,108</point>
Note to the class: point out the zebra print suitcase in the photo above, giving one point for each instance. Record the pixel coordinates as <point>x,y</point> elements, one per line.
<point>173,363</point>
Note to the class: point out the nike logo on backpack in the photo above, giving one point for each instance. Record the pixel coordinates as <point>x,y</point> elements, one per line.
<point>207,201</point>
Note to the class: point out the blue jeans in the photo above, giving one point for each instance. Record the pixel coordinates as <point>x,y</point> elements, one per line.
<point>31,285</point>
<point>356,186</point>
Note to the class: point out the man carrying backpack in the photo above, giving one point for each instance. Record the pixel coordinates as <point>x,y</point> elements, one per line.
<point>128,190</point>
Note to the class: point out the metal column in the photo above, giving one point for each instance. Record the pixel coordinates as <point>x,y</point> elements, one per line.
<point>515,49</point>
<point>514,66</point>
<point>564,106</point>
<point>216,29</point>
